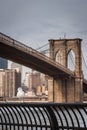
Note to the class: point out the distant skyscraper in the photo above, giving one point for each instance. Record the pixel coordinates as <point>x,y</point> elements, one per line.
<point>26,80</point>
<point>3,63</point>
<point>34,80</point>
<point>16,66</point>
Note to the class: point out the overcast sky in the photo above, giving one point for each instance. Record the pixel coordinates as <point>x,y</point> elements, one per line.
<point>33,22</point>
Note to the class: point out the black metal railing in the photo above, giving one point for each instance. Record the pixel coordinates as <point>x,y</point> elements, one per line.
<point>43,116</point>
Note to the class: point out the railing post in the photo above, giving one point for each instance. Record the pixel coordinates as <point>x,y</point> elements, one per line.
<point>54,123</point>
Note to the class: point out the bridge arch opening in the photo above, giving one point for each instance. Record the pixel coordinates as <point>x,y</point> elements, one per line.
<point>71,60</point>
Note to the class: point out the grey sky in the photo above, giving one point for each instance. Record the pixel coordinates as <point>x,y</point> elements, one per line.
<point>35,21</point>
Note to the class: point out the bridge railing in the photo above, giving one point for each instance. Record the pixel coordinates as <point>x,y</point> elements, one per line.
<point>46,116</point>
<point>29,50</point>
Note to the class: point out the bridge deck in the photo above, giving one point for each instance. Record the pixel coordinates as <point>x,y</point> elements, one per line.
<point>22,54</point>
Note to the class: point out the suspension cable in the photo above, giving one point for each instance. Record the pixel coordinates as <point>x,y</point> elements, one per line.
<point>84,61</point>
<point>42,46</point>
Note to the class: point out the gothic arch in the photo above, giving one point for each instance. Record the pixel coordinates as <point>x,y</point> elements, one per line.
<point>71,60</point>
<point>61,47</point>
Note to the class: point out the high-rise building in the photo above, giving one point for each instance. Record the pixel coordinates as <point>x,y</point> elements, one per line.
<point>18,68</point>
<point>15,66</point>
<point>3,63</point>
<point>10,81</point>
<point>26,81</point>
<point>34,80</point>
<point>2,83</point>
<point>37,79</point>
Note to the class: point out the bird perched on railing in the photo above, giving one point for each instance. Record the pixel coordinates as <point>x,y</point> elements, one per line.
<point>20,93</point>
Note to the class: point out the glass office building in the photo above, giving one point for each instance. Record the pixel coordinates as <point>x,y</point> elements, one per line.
<point>3,63</point>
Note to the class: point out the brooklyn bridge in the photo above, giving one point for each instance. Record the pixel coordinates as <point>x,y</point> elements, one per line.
<point>64,85</point>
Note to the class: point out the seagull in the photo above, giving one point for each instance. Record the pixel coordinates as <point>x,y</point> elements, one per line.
<point>20,93</point>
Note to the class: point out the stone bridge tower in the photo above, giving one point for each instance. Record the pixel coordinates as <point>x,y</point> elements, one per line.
<point>62,88</point>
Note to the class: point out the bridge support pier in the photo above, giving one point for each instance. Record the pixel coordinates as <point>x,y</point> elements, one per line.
<point>59,92</point>
<point>50,90</point>
<point>70,88</point>
<point>65,90</point>
<point>78,90</point>
<point>56,93</point>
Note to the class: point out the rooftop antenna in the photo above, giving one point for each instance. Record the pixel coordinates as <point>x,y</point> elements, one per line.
<point>64,35</point>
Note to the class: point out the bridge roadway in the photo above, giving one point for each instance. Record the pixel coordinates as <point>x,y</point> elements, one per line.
<point>22,54</point>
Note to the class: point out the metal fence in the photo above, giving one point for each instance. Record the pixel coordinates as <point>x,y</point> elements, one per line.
<point>43,116</point>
